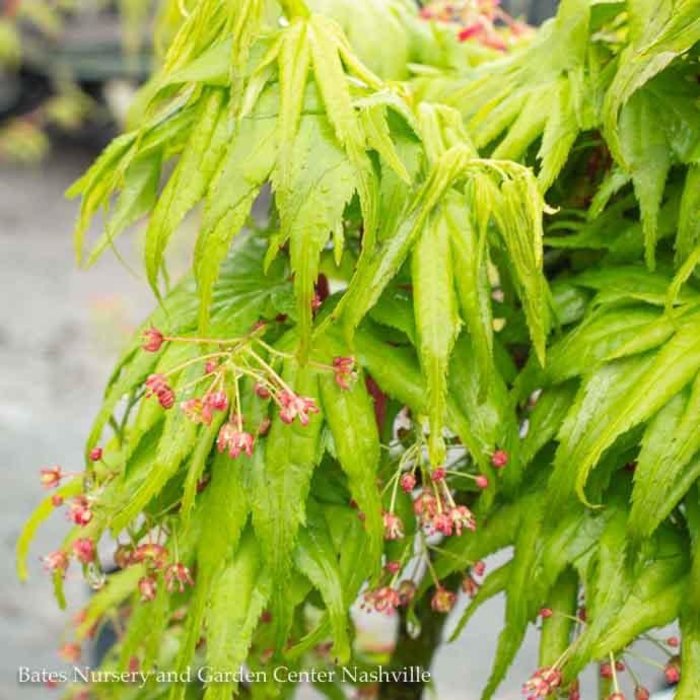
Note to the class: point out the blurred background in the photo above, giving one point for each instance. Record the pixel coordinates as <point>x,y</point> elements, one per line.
<point>67,73</point>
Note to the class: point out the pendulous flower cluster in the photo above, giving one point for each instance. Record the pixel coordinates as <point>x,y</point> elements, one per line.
<point>224,371</point>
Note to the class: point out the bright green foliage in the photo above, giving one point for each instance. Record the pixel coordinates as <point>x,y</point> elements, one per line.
<point>386,248</point>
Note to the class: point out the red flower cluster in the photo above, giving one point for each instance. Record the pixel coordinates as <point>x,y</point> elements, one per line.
<point>436,514</point>
<point>203,410</point>
<point>382,600</point>
<point>543,682</point>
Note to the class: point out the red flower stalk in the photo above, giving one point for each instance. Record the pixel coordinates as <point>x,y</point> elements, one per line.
<point>51,477</point>
<point>84,550</point>
<point>79,511</point>
<point>153,339</point>
<point>178,576</point>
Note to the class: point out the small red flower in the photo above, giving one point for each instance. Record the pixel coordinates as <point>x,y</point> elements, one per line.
<point>393,567</point>
<point>216,401</point>
<point>407,592</point>
<point>543,682</point>
<point>192,408</point>
<point>153,339</point>
<point>79,511</point>
<point>443,524</point>
<point>235,441</point>
<point>393,527</point>
<point>470,586</point>
<point>70,652</point>
<point>264,427</point>
<point>479,568</point>
<point>56,562</point>
<point>96,454</point>
<point>546,613</point>
<point>425,506</point>
<point>56,500</point>
<point>443,600</point>
<point>438,474</point>
<point>641,693</point>
<point>210,366</point>
<point>148,587</point>
<point>384,600</point>
<point>408,482</point>
<point>293,406</point>
<point>154,554</point>
<point>157,385</point>
<point>84,550</point>
<point>123,556</point>
<point>481,481</point>
<point>617,696</point>
<point>673,641</point>
<point>606,671</point>
<point>178,576</point>
<point>499,459</point>
<point>344,370</point>
<point>51,477</point>
<point>261,391</point>
<point>462,517</point>
<point>672,673</point>
<point>166,398</point>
